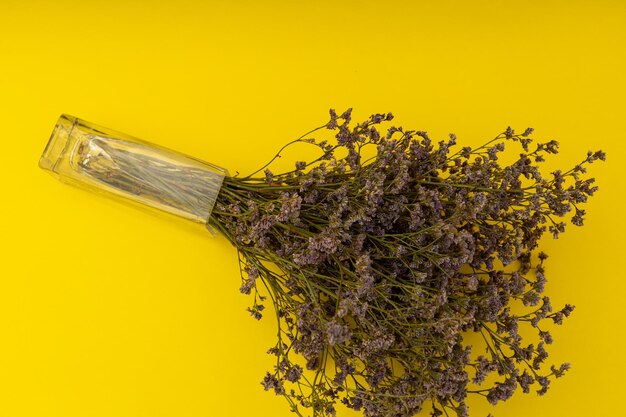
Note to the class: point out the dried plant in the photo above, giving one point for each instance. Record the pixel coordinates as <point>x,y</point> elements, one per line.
<point>402,272</point>
<point>380,266</point>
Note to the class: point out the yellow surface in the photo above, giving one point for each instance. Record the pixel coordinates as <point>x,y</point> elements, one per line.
<point>109,311</point>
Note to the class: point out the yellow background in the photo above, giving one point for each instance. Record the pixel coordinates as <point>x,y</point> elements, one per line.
<point>109,311</point>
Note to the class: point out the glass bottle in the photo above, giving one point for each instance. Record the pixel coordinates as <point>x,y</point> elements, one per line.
<point>132,170</point>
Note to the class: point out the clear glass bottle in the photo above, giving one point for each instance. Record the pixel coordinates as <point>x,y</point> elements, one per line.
<point>130,169</point>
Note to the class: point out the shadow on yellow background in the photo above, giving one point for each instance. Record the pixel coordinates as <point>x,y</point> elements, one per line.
<point>107,311</point>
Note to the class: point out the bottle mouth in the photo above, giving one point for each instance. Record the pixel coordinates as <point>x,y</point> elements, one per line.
<point>57,143</point>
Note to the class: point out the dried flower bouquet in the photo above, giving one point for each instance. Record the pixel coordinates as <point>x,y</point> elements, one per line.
<point>381,258</point>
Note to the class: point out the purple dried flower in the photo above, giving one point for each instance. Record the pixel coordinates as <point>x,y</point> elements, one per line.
<point>525,381</point>
<point>332,124</point>
<point>544,382</point>
<point>300,165</point>
<point>567,310</point>
<point>271,382</point>
<point>502,391</point>
<point>337,333</point>
<point>294,373</point>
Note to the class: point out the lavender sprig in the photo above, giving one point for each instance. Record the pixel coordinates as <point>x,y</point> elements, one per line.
<point>386,262</point>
